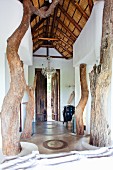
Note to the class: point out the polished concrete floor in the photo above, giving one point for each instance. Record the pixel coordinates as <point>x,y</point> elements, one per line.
<point>55,137</point>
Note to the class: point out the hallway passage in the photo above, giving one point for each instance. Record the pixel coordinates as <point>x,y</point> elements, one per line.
<point>54,137</point>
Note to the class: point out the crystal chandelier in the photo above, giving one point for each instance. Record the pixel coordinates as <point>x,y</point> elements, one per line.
<point>50,71</point>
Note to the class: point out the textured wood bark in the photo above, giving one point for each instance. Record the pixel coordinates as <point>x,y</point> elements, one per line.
<point>82,103</point>
<point>11,103</point>
<point>100,128</point>
<point>93,77</point>
<point>30,106</point>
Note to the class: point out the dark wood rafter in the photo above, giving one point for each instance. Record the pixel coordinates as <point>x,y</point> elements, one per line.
<point>41,56</point>
<point>82,15</point>
<point>39,4</point>
<point>64,48</point>
<point>53,22</point>
<point>47,26</point>
<point>35,43</point>
<point>61,23</point>
<point>39,7</point>
<point>65,35</point>
<point>70,19</point>
<point>38,35</point>
<point>60,39</point>
<point>35,36</point>
<point>80,9</point>
<point>34,50</point>
<point>47,39</point>
<point>33,16</point>
<point>66,28</point>
<point>60,52</point>
<point>47,45</point>
<point>37,46</point>
<point>90,2</point>
<point>38,24</point>
<point>60,13</point>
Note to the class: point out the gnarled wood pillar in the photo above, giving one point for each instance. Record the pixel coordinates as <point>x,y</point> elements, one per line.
<point>11,103</point>
<point>30,107</point>
<point>82,103</point>
<point>100,128</point>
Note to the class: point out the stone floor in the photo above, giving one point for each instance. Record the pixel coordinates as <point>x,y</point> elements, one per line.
<point>55,137</point>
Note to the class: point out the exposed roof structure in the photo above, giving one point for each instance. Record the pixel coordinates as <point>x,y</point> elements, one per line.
<point>61,29</point>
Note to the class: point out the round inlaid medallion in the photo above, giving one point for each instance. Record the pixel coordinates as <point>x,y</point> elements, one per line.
<point>55,144</point>
<point>50,126</point>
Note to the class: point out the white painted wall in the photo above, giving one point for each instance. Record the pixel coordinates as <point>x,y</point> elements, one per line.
<point>2,75</point>
<point>25,97</point>
<point>11,15</point>
<point>67,77</point>
<point>87,47</point>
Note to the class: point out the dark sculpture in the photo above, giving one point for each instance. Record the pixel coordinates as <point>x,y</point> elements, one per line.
<point>68,113</point>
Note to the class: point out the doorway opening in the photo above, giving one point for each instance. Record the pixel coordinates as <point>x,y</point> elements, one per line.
<point>41,96</point>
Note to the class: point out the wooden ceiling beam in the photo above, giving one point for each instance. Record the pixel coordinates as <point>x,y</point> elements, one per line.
<point>35,55</point>
<point>43,27</point>
<point>47,26</point>
<point>66,43</point>
<point>66,28</point>
<point>36,49</point>
<point>90,2</point>
<point>47,46</point>
<point>53,22</point>
<point>64,48</point>
<point>35,34</point>
<point>34,15</point>
<point>59,52</point>
<point>70,18</point>
<point>35,27</point>
<point>47,39</point>
<point>70,38</point>
<point>80,9</point>
<point>37,42</point>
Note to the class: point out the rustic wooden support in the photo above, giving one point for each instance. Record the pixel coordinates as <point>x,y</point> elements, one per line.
<point>100,84</point>
<point>30,107</point>
<point>80,9</point>
<point>47,39</point>
<point>82,103</point>
<point>11,103</point>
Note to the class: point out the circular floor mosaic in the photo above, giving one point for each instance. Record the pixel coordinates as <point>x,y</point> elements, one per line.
<point>55,144</point>
<point>49,126</point>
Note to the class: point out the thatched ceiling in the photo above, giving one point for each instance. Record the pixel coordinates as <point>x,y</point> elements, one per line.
<point>61,29</point>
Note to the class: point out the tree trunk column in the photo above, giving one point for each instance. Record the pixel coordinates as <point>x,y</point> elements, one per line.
<point>30,107</point>
<point>11,103</point>
<point>100,128</point>
<point>82,103</point>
